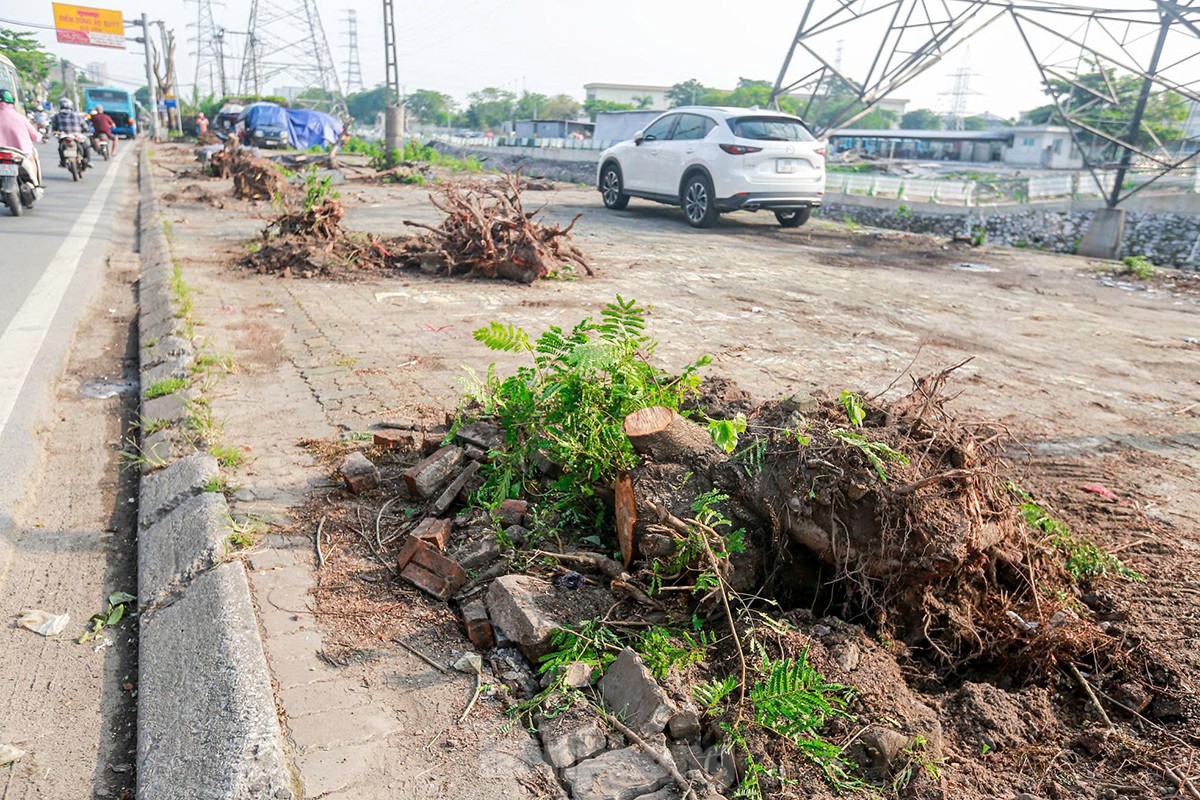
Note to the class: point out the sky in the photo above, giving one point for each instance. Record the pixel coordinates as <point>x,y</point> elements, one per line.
<point>556,47</point>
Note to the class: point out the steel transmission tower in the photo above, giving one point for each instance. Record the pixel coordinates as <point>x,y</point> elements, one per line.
<point>210,64</point>
<point>354,81</point>
<point>286,39</point>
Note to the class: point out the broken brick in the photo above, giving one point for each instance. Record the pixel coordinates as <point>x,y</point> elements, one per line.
<point>479,626</point>
<point>447,498</point>
<point>512,512</point>
<point>429,474</point>
<point>435,532</point>
<point>391,439</point>
<point>358,473</point>
<point>432,572</point>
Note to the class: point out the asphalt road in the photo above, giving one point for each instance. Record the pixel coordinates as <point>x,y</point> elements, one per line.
<point>51,260</point>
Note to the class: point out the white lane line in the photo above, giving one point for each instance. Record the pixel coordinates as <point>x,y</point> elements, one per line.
<point>23,339</point>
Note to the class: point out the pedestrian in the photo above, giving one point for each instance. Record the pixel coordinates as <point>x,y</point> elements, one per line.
<point>201,124</point>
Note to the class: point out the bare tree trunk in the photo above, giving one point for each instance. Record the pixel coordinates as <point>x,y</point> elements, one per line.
<point>165,77</point>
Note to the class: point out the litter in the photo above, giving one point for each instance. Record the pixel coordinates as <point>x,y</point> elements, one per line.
<point>9,754</point>
<point>43,622</point>
<point>1100,489</point>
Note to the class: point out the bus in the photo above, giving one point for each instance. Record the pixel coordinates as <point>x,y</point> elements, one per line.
<point>10,80</point>
<point>117,103</point>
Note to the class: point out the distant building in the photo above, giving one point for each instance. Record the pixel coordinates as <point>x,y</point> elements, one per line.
<point>1045,146</point>
<point>617,126</point>
<point>629,93</point>
<point>975,146</point>
<point>552,129</point>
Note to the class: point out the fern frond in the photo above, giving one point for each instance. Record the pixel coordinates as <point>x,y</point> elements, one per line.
<point>508,338</point>
<point>622,320</point>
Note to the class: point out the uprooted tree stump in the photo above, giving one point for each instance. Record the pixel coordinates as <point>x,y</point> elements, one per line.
<point>487,232</point>
<point>254,178</point>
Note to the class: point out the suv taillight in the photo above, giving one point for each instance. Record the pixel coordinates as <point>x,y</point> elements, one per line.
<point>820,151</point>
<point>739,149</point>
<point>6,157</point>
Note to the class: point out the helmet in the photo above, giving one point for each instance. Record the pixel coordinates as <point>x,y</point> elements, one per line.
<point>7,97</point>
<point>65,103</point>
<point>98,110</point>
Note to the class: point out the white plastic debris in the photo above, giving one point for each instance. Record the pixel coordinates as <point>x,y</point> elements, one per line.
<point>470,663</point>
<point>1020,622</point>
<point>9,754</point>
<point>43,622</point>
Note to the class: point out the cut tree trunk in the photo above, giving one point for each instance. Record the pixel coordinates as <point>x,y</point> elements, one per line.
<point>666,437</point>
<point>625,504</point>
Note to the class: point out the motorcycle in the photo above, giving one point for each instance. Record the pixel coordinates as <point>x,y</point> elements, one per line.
<point>102,146</point>
<point>70,149</point>
<point>17,186</point>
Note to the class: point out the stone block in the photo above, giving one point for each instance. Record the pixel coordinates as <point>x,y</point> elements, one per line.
<point>478,625</point>
<point>171,368</point>
<point>426,477</point>
<point>167,348</point>
<point>479,553</point>
<point>684,725</point>
<point>358,473</point>
<point>527,609</point>
<point>568,739</point>
<point>207,725</point>
<point>632,693</point>
<point>170,407</point>
<point>162,491</point>
<point>432,572</point>
<point>616,775</point>
<point>435,532</point>
<point>181,545</point>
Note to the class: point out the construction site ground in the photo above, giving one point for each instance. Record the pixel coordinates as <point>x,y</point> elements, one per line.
<point>1097,380</point>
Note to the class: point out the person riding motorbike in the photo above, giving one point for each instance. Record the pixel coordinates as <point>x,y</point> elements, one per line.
<point>41,121</point>
<point>103,125</point>
<point>71,122</point>
<point>17,132</point>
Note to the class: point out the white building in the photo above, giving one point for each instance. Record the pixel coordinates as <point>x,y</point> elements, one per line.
<point>629,93</point>
<point>1044,146</point>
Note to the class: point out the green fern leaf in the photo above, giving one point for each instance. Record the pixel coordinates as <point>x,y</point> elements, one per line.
<point>508,338</point>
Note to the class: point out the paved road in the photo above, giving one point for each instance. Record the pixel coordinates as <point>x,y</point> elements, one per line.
<point>50,262</point>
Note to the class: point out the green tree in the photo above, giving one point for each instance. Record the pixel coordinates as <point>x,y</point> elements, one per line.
<point>877,119</point>
<point>366,106</point>
<point>643,101</point>
<point>429,106</point>
<point>490,107</point>
<point>531,105</point>
<point>561,106</point>
<point>975,123</point>
<point>32,62</point>
<point>921,119</point>
<point>594,107</point>
<point>687,93</point>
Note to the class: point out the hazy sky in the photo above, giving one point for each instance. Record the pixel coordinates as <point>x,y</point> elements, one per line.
<point>557,47</point>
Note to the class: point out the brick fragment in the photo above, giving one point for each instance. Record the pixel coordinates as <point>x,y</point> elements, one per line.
<point>428,475</point>
<point>435,532</point>
<point>512,512</point>
<point>479,626</point>
<point>392,439</point>
<point>430,571</point>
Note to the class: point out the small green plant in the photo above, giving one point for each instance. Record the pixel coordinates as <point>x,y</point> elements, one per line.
<point>1083,558</point>
<point>150,426</point>
<point>917,763</point>
<point>317,190</point>
<point>1139,267</point>
<point>244,535</point>
<point>876,452</point>
<point>227,456</point>
<point>852,404</point>
<point>135,456</point>
<point>348,361</point>
<point>201,426</point>
<point>118,603</point>
<point>217,485</point>
<point>184,298</point>
<point>663,649</point>
<point>209,361</point>
<point>850,223</point>
<point>709,696</point>
<point>903,211</point>
<point>165,386</point>
<point>978,236</point>
<point>569,405</point>
<point>725,432</point>
<point>692,552</point>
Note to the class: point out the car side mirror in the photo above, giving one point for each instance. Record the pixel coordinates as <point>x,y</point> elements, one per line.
<point>639,137</point>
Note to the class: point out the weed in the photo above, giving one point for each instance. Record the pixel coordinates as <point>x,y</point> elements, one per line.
<point>569,406</point>
<point>850,223</point>
<point>348,361</point>
<point>590,643</point>
<point>118,603</point>
<point>1139,267</point>
<point>244,535</point>
<point>709,696</point>
<point>150,342</point>
<point>1083,558</point>
<point>217,485</point>
<point>903,211</point>
<point>149,426</point>
<point>135,456</point>
<point>227,456</point>
<point>978,236</point>
<point>208,361</point>
<point>876,452</point>
<point>184,298</point>
<point>917,763</point>
<point>725,432</point>
<point>251,247</point>
<point>751,457</point>
<point>317,190</point>
<point>165,386</point>
<point>664,649</point>
<point>853,406</point>
<point>692,550</point>
<point>202,426</point>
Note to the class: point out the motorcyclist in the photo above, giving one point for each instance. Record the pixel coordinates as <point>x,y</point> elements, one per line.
<point>71,122</point>
<point>17,132</point>
<point>41,119</point>
<point>103,125</point>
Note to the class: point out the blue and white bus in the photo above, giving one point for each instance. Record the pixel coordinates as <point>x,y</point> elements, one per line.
<point>118,104</point>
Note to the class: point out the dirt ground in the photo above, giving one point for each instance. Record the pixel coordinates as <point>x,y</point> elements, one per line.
<point>1096,381</point>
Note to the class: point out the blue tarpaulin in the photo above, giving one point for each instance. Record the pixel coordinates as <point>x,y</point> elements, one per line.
<point>307,128</point>
<point>304,127</point>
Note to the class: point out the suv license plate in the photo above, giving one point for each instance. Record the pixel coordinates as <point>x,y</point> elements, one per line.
<point>8,169</point>
<point>788,165</point>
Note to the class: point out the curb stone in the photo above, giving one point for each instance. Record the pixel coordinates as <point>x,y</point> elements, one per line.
<point>207,722</point>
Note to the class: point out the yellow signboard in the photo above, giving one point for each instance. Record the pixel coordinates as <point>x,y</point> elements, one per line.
<point>99,27</point>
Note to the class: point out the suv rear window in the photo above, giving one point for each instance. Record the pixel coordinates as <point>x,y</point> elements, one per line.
<point>770,129</point>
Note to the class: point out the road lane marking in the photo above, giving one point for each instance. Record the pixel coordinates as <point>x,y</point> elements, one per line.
<point>22,340</point>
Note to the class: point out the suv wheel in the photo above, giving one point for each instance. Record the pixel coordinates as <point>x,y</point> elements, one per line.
<point>611,188</point>
<point>699,204</point>
<point>793,218</point>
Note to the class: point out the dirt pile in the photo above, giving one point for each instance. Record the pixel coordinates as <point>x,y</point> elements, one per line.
<point>488,233</point>
<point>254,178</point>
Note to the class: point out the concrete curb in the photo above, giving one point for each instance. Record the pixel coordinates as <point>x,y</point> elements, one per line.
<point>207,722</point>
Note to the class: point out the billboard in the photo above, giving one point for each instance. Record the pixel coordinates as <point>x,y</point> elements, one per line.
<point>99,27</point>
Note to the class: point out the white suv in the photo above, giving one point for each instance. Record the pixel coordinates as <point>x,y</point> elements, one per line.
<point>709,160</point>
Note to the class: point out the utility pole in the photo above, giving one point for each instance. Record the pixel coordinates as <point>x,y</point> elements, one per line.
<point>393,115</point>
<point>145,40</point>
